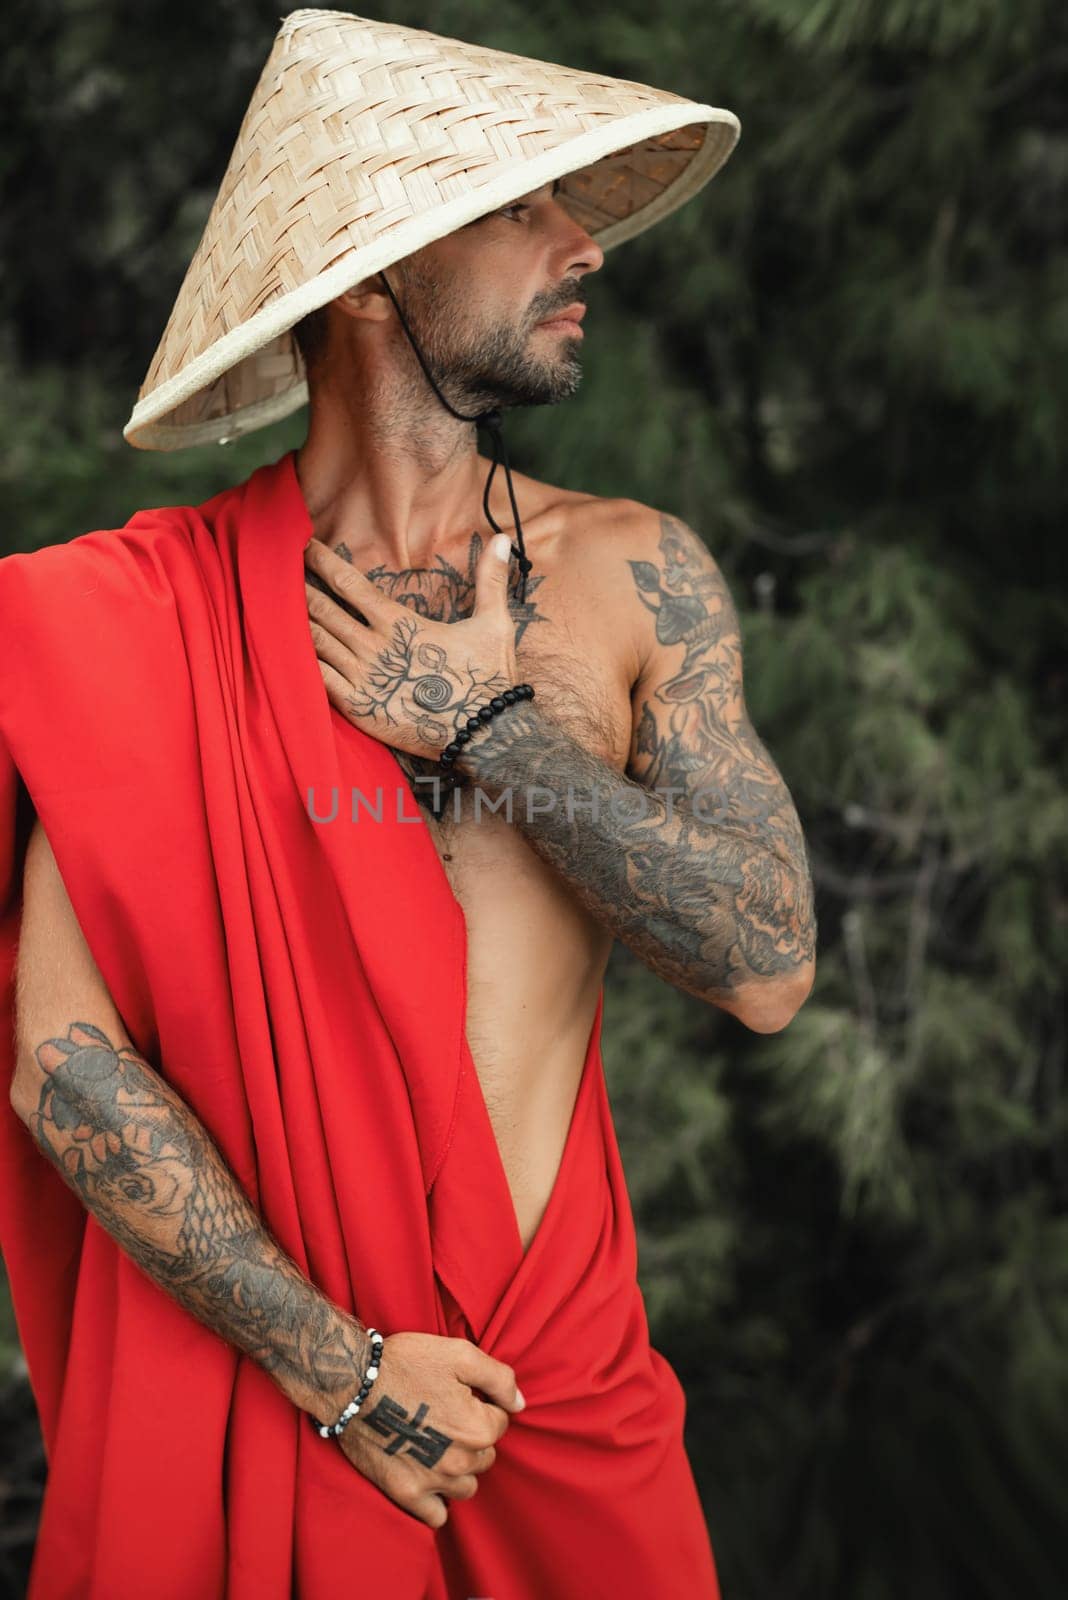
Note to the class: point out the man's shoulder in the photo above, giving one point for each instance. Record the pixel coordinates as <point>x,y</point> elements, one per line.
<point>597,514</point>
<point>624,561</point>
<point>643,547</point>
<point>110,560</point>
<point>103,598</point>
<point>578,514</point>
<point>644,525</point>
<point>607,534</point>
<point>68,559</point>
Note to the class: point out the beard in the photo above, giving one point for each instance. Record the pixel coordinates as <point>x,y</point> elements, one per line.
<point>476,367</point>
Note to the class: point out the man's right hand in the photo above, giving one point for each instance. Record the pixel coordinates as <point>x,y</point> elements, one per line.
<point>421,1434</point>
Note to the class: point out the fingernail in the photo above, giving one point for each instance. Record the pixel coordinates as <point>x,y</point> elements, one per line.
<point>502,546</point>
<point>519,1399</point>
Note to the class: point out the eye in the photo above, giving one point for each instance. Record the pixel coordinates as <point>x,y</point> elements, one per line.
<point>516,205</point>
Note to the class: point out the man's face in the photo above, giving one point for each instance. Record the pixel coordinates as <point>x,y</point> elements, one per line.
<point>474,299</point>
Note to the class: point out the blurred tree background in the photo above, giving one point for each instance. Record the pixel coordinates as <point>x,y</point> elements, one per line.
<point>846,364</point>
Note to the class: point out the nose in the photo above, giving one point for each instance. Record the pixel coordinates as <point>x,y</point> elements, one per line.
<point>579,252</point>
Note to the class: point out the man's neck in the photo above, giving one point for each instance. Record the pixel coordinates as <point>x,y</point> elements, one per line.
<point>397,501</point>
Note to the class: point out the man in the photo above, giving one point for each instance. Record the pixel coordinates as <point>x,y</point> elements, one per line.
<point>259,1097</point>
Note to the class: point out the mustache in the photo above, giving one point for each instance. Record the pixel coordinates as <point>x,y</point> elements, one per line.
<point>542,309</point>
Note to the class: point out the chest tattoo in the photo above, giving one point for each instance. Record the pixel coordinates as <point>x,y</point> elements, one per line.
<point>444,593</point>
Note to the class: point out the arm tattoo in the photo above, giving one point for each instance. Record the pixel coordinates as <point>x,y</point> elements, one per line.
<point>698,862</point>
<point>146,1169</point>
<point>694,733</point>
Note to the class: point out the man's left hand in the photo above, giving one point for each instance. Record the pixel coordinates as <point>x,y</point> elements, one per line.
<point>407,680</point>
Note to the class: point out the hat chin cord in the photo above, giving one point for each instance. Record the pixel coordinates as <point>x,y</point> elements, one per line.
<point>492,421</point>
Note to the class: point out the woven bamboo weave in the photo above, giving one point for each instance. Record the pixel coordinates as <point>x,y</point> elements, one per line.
<point>364,141</point>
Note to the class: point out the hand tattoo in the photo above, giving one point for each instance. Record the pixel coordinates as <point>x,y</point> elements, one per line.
<point>427,1445</point>
<point>411,680</point>
<point>442,593</point>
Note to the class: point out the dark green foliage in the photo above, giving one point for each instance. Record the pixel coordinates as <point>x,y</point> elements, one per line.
<point>846,363</point>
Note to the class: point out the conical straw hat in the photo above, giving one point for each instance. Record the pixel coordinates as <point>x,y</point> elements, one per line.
<point>365,141</point>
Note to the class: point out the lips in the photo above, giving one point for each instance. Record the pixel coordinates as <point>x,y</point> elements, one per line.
<point>573,314</point>
<point>566,320</point>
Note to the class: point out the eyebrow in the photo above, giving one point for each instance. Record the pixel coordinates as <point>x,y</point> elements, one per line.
<point>558,184</point>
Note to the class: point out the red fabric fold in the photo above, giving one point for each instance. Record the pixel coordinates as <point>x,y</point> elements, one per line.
<point>302,985</point>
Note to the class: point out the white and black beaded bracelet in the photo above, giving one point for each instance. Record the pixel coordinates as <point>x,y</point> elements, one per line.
<point>330,1430</point>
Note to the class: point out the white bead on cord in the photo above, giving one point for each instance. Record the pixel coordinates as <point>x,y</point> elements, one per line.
<point>330,1430</point>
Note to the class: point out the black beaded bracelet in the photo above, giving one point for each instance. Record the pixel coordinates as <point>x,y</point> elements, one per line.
<point>508,697</point>
<point>330,1430</point>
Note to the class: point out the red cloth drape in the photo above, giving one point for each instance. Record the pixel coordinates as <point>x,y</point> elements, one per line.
<point>302,986</point>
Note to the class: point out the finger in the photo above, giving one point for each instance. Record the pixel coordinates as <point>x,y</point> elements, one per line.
<point>351,631</point>
<point>496,1418</point>
<point>491,577</point>
<point>338,640</point>
<point>347,583</point>
<point>484,1459</point>
<point>431,1509</point>
<point>338,691</point>
<point>491,1419</point>
<point>322,587</point>
<point>495,1378</point>
<point>461,1488</point>
<point>460,1459</point>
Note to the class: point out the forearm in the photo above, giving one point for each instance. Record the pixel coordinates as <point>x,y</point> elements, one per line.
<point>722,911</point>
<point>148,1171</point>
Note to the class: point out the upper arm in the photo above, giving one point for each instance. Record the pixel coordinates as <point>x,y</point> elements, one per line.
<point>688,702</point>
<point>691,733</point>
<point>690,727</point>
<point>691,730</point>
<point>57,980</point>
